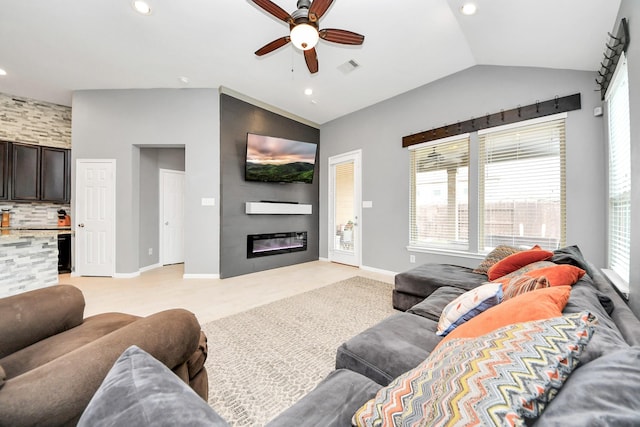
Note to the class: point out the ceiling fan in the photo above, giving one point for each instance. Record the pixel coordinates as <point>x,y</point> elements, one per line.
<point>304,32</point>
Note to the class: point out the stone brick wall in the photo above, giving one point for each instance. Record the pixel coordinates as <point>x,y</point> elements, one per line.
<point>34,122</point>
<point>27,263</point>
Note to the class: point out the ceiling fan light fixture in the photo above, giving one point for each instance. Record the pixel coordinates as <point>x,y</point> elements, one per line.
<point>142,7</point>
<point>304,36</point>
<point>469,9</point>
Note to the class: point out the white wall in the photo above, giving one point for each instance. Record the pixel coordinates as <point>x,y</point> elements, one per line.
<point>378,131</point>
<point>114,124</point>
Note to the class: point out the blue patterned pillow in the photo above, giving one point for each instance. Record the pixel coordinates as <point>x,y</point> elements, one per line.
<point>496,379</point>
<point>468,305</point>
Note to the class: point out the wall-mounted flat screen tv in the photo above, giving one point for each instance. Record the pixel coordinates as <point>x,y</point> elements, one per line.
<point>271,159</point>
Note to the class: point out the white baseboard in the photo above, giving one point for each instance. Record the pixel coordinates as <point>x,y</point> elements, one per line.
<point>200,276</point>
<point>126,275</point>
<point>378,270</point>
<point>366,268</point>
<point>150,267</point>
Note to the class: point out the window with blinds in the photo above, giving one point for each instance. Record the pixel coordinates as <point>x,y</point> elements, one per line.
<point>619,217</point>
<point>439,212</point>
<point>522,184</point>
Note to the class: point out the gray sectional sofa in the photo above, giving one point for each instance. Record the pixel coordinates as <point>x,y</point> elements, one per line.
<point>602,391</point>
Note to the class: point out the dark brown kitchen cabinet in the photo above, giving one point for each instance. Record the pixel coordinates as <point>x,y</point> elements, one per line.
<point>4,170</point>
<point>54,175</point>
<point>39,173</point>
<point>25,172</point>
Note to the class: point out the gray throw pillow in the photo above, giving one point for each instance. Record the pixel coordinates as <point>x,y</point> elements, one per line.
<point>141,391</point>
<point>602,393</point>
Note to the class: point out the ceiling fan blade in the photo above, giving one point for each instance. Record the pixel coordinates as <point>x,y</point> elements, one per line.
<point>311,58</point>
<point>270,47</point>
<point>341,36</point>
<point>318,8</point>
<point>274,10</point>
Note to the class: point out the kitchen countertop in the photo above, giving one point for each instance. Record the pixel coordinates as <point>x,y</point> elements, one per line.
<point>44,231</point>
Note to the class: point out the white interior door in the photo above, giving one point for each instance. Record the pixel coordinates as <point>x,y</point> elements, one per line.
<point>345,208</point>
<point>171,216</point>
<point>95,217</point>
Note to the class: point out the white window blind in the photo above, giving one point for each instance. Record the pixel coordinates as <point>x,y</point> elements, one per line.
<point>619,216</point>
<point>439,214</point>
<point>522,185</point>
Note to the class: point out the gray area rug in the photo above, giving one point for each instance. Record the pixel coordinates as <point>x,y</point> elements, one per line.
<point>263,360</point>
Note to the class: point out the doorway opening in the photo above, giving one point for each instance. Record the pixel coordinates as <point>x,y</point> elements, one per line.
<point>345,208</point>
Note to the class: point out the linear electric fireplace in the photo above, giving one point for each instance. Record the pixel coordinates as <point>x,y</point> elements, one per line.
<point>276,243</point>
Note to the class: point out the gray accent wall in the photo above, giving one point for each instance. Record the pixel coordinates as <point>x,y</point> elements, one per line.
<point>474,92</point>
<point>115,124</point>
<point>151,161</point>
<point>630,9</point>
<point>237,118</point>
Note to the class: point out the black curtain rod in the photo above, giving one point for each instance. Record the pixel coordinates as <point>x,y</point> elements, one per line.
<point>504,117</point>
<point>614,49</point>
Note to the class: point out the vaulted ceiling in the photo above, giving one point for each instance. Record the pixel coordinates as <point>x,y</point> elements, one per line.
<point>51,48</point>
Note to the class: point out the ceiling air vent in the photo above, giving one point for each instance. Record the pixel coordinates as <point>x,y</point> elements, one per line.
<point>348,66</point>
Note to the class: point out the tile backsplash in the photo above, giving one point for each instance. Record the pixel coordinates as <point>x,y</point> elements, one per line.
<point>34,122</point>
<point>34,214</point>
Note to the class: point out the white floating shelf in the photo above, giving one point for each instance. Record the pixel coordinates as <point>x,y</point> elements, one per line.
<point>252,208</point>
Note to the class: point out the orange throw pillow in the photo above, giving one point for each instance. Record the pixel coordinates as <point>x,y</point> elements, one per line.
<point>540,304</point>
<point>559,275</point>
<point>516,261</point>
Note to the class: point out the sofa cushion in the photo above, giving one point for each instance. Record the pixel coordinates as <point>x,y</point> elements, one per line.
<point>389,348</point>
<point>497,379</point>
<point>432,306</point>
<point>535,305</point>
<point>601,393</point>
<point>35,315</point>
<point>607,337</point>
<point>498,253</point>
<point>65,342</point>
<point>331,404</point>
<point>423,280</point>
<point>571,255</point>
<point>139,390</point>
<point>468,305</point>
<point>516,261</point>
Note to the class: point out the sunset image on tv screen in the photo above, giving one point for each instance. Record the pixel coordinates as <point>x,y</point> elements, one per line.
<point>273,159</point>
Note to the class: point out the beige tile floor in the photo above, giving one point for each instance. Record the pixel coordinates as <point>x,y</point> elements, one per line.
<point>210,299</point>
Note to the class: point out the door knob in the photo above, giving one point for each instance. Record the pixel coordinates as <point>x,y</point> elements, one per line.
<point>166,223</point>
<point>81,225</point>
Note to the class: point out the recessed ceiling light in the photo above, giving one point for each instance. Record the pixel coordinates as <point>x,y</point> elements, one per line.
<point>468,9</point>
<point>2,72</point>
<point>308,91</point>
<point>184,79</point>
<point>142,7</point>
